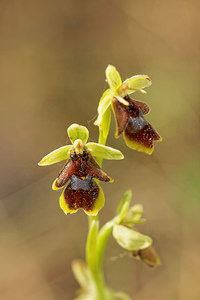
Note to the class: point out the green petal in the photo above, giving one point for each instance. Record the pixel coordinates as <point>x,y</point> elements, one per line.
<point>122,100</point>
<point>76,132</point>
<point>103,106</point>
<point>113,77</point>
<point>55,156</point>
<point>104,152</point>
<point>134,83</point>
<point>130,239</point>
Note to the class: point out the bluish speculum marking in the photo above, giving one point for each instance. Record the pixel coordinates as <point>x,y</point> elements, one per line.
<point>137,123</point>
<point>78,183</point>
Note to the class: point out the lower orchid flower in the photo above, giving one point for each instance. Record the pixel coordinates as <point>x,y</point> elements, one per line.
<point>80,173</point>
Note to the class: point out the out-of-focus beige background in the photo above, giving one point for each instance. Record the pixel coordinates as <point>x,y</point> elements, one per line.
<point>52,56</point>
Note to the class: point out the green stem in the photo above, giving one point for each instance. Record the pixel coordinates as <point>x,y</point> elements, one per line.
<point>100,285</point>
<point>102,141</point>
<point>90,219</point>
<point>96,270</point>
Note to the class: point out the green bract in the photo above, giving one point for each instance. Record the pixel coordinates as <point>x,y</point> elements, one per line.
<point>81,273</point>
<point>78,133</point>
<point>84,278</point>
<point>130,239</point>
<point>123,206</point>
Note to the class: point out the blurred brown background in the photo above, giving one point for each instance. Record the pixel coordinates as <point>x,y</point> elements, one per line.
<point>52,56</point>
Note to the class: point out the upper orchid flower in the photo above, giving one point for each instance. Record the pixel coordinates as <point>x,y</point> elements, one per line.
<point>80,171</point>
<point>129,114</point>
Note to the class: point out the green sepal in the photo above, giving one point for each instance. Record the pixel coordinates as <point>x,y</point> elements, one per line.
<point>130,239</point>
<point>76,132</point>
<point>91,245</point>
<point>104,152</point>
<point>106,93</point>
<point>113,77</point>
<point>104,104</point>
<point>105,123</point>
<point>55,156</point>
<point>123,206</point>
<point>133,84</point>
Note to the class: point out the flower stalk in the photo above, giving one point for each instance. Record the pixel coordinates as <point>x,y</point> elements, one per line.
<point>82,173</point>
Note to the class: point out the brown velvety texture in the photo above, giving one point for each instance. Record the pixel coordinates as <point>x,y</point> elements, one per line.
<point>81,166</point>
<point>78,173</point>
<point>80,198</point>
<point>130,120</point>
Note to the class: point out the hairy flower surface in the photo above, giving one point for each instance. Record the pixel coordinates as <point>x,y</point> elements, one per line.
<point>80,173</point>
<point>129,114</point>
<point>137,132</point>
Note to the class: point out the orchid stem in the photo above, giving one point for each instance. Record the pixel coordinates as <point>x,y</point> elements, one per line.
<point>97,272</point>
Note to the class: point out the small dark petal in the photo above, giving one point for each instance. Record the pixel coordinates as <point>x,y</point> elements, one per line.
<point>66,172</point>
<point>121,115</point>
<point>81,195</point>
<point>140,105</point>
<point>82,166</point>
<point>94,170</point>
